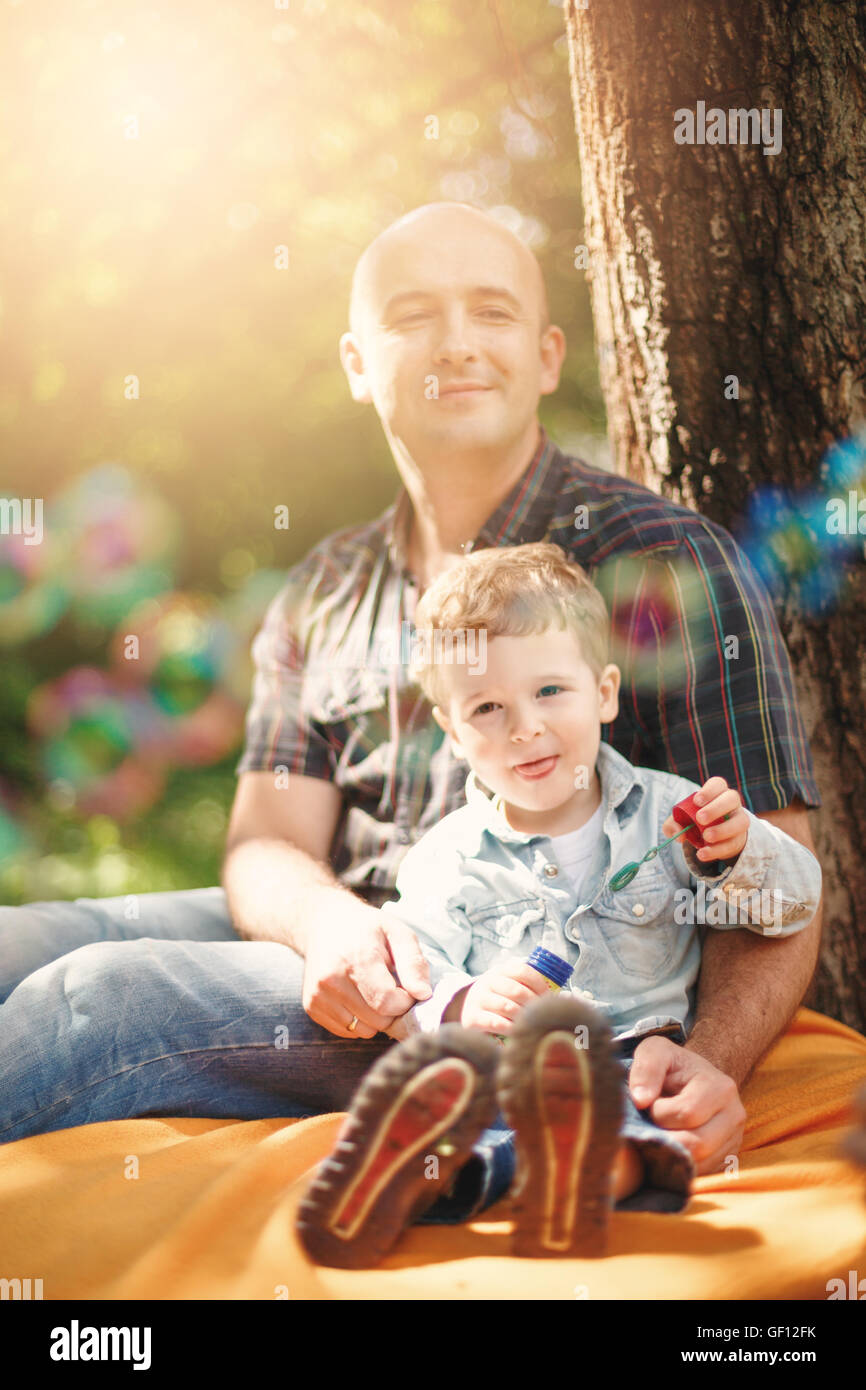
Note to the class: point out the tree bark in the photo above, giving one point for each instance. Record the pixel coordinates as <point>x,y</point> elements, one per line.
<point>709,261</point>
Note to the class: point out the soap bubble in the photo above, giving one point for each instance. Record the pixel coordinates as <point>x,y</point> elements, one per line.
<point>100,740</point>
<point>185,652</point>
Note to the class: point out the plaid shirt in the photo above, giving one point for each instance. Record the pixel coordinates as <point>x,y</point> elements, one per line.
<point>706,690</point>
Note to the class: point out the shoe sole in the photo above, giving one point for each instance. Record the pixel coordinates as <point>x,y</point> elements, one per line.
<point>560,1089</point>
<point>427,1099</point>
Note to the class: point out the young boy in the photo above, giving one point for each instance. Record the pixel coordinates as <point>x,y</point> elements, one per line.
<point>551,814</point>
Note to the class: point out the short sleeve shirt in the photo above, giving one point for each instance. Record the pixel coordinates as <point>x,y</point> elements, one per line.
<point>707,687</point>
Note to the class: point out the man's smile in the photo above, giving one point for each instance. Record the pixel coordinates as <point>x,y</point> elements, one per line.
<point>464,388</point>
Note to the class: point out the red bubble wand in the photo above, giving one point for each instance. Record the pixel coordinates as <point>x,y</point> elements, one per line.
<point>683,813</point>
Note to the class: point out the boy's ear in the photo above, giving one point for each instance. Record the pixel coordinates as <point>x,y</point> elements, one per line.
<point>445,725</point>
<point>608,693</point>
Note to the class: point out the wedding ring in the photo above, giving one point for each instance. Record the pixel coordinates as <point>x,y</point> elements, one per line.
<point>353,1025</point>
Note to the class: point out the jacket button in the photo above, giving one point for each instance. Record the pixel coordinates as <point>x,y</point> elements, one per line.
<point>638,909</point>
<point>551,871</point>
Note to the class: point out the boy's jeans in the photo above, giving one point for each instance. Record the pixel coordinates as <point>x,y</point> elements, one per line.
<point>486,1178</point>
<point>113,1008</point>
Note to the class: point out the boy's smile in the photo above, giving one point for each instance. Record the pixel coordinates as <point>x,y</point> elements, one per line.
<point>538,767</point>
<point>530,727</point>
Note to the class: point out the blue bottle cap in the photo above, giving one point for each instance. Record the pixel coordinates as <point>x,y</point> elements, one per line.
<point>551,966</point>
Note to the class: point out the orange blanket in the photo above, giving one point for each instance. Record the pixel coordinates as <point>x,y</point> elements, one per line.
<point>203,1209</point>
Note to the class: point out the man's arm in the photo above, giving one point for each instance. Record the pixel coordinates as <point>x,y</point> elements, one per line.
<point>750,987</point>
<point>280,887</point>
<point>274,867</point>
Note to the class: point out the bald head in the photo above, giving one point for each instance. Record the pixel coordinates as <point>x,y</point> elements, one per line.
<point>437,224</point>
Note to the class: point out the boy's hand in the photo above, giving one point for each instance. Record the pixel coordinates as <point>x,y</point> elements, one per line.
<point>717,802</point>
<point>493,1002</point>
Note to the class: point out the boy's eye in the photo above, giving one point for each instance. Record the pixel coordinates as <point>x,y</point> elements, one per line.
<point>486,707</point>
<point>549,688</point>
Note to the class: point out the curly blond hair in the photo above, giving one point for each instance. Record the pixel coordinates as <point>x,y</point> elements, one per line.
<point>509,591</point>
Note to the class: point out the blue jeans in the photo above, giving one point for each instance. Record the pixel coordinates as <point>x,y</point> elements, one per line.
<point>113,1008</point>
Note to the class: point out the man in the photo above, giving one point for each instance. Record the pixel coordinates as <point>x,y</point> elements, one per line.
<point>344,767</point>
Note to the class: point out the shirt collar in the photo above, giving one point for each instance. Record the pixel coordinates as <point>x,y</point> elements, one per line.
<point>617,777</point>
<point>524,515</point>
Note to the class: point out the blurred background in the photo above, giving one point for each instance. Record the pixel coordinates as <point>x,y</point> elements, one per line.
<point>183,195</point>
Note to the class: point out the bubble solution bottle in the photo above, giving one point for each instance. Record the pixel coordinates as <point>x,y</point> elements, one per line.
<point>556,971</point>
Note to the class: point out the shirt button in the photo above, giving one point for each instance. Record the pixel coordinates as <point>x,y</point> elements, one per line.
<point>551,871</point>
<point>638,909</point>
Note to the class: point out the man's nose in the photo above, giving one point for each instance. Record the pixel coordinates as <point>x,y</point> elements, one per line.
<point>457,342</point>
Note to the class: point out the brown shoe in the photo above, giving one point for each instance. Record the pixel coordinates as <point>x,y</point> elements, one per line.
<point>561,1091</point>
<point>413,1122</point>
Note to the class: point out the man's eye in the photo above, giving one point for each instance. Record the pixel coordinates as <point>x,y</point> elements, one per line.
<point>410,318</point>
<point>501,313</point>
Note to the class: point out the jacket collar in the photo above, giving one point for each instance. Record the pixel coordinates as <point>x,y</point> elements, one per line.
<point>618,780</point>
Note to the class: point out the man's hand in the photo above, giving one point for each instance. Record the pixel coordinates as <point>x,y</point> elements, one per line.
<point>496,998</point>
<point>364,965</point>
<point>687,1095</point>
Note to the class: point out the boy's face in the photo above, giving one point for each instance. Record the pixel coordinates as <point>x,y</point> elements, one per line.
<point>530,725</point>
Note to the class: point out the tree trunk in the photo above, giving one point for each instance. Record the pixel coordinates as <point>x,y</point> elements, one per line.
<point>712,261</point>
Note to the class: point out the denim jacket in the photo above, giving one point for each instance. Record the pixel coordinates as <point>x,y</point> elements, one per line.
<point>474,891</point>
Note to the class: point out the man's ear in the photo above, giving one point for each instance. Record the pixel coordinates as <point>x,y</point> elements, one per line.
<point>352,359</point>
<point>553,347</point>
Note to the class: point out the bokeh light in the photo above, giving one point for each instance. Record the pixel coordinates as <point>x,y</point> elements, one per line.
<point>119,539</point>
<point>243,611</point>
<point>180,649</point>
<point>795,539</point>
<point>13,837</point>
<point>33,592</point>
<point>100,741</point>
<point>645,599</point>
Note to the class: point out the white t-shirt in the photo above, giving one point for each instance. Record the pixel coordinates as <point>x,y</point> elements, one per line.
<point>576,850</point>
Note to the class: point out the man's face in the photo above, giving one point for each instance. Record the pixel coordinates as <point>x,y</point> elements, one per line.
<point>530,725</point>
<point>451,351</point>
